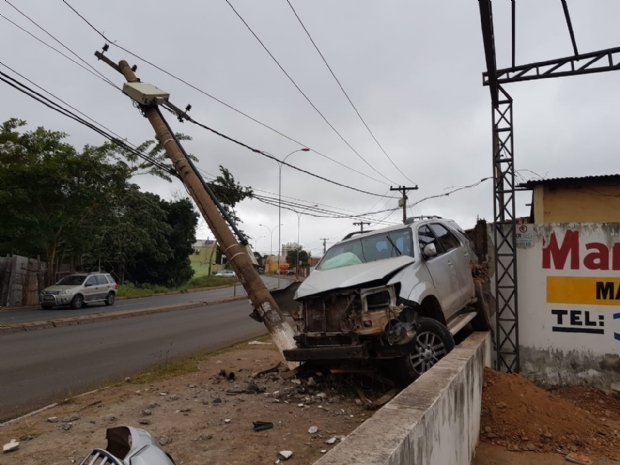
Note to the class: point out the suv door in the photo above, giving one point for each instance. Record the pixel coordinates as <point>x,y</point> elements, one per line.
<point>104,287</point>
<point>90,289</point>
<point>441,269</point>
<point>461,259</point>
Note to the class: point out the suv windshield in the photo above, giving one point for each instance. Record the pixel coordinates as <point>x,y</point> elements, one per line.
<point>73,280</point>
<point>368,249</point>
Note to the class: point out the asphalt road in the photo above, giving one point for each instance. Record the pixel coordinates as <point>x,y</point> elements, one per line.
<point>40,367</point>
<point>38,314</point>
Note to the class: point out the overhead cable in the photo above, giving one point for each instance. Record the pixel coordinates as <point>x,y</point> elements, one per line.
<point>303,93</point>
<point>185,116</point>
<point>218,100</point>
<point>345,92</point>
<point>63,111</point>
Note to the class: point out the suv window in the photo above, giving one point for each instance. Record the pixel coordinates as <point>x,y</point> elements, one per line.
<point>92,280</point>
<point>368,249</point>
<point>445,237</point>
<point>425,236</point>
<point>101,279</point>
<point>110,279</point>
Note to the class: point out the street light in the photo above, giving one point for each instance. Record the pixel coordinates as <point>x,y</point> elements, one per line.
<point>280,165</point>
<point>298,228</point>
<point>271,230</point>
<point>256,242</point>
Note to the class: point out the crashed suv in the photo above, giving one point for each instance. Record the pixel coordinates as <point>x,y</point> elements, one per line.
<point>394,296</point>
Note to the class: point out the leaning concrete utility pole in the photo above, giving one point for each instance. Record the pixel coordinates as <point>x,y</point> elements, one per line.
<point>266,309</point>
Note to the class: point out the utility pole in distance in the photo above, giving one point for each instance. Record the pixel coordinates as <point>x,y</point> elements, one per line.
<point>404,190</point>
<point>265,308</point>
<point>361,225</point>
<point>324,244</point>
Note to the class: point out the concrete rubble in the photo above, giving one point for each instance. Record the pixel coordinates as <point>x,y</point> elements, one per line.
<point>13,445</point>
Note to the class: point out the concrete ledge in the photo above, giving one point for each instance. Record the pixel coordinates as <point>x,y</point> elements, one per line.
<point>108,316</point>
<point>435,421</point>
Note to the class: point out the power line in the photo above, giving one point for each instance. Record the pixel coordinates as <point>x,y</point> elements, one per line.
<point>58,51</point>
<point>211,96</point>
<point>185,116</point>
<point>61,44</point>
<point>302,92</point>
<point>63,111</point>
<point>345,92</point>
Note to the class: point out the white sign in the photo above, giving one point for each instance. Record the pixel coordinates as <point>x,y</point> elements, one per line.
<point>525,235</point>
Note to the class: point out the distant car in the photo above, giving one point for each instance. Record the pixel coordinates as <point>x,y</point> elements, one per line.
<point>290,272</point>
<point>226,274</point>
<point>77,290</point>
<point>261,270</point>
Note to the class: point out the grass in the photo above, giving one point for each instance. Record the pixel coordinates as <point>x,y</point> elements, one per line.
<point>146,290</point>
<point>189,364</point>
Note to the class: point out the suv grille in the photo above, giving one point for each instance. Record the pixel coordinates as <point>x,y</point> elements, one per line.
<point>380,299</point>
<point>51,292</point>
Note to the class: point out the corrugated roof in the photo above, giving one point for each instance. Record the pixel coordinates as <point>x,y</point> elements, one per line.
<point>605,178</point>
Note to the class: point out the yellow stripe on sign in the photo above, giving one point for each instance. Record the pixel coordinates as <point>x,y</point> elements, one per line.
<point>585,291</point>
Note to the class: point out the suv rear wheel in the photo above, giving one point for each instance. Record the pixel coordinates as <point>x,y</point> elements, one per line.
<point>109,300</point>
<point>432,342</point>
<point>77,302</point>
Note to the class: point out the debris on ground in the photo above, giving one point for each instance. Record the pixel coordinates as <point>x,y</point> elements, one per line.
<point>257,343</point>
<point>285,454</point>
<point>313,430</point>
<point>192,428</point>
<point>262,425</point>
<point>12,446</point>
<point>520,416</point>
<point>578,458</point>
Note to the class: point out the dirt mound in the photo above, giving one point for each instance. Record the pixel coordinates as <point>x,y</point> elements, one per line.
<point>520,416</point>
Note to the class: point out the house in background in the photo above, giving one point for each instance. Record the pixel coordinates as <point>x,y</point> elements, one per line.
<point>589,199</point>
<point>205,255</point>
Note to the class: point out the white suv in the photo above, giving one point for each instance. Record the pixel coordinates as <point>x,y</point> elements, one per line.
<point>397,295</point>
<point>77,290</point>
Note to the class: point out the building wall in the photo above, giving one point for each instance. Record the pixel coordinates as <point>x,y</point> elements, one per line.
<point>581,203</point>
<point>203,254</point>
<point>569,304</point>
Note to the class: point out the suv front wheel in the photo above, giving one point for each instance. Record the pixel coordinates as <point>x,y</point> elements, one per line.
<point>77,302</point>
<point>433,341</point>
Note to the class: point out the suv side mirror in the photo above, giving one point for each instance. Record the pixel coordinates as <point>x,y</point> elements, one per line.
<point>429,250</point>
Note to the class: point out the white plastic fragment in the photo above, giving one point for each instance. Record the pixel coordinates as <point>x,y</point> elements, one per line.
<point>285,454</point>
<point>14,445</point>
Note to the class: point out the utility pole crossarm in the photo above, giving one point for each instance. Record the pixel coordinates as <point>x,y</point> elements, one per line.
<point>361,225</point>
<point>403,190</point>
<point>265,308</point>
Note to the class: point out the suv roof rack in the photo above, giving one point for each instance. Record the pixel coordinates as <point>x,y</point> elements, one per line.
<point>354,233</point>
<point>413,219</point>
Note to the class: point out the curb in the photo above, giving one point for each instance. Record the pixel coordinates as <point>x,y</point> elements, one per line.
<point>101,317</point>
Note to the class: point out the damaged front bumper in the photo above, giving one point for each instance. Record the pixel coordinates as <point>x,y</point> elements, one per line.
<point>357,324</point>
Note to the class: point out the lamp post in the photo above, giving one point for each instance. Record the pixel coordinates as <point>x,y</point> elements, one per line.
<point>271,230</point>
<point>280,165</point>
<point>256,243</point>
<point>298,228</point>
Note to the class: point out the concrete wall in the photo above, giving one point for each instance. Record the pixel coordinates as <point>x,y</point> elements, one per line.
<point>435,421</point>
<point>588,201</point>
<point>569,304</point>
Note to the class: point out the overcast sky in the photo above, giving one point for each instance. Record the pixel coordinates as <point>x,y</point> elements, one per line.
<point>413,69</point>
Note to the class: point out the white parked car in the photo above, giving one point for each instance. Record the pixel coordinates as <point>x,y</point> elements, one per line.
<point>395,295</point>
<point>226,274</point>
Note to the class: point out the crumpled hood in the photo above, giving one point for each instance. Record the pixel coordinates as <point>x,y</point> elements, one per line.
<point>349,276</point>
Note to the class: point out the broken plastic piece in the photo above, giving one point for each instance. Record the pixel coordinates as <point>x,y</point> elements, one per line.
<point>262,425</point>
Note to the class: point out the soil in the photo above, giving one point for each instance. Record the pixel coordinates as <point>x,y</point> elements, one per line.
<point>518,416</point>
<point>201,428</point>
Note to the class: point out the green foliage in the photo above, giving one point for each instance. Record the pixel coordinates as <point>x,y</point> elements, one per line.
<point>131,290</point>
<point>229,192</point>
<point>80,207</point>
<point>291,254</point>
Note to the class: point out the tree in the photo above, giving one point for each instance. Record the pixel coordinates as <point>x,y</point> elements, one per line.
<point>66,205</point>
<point>53,198</point>
<point>229,192</point>
<point>291,254</point>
